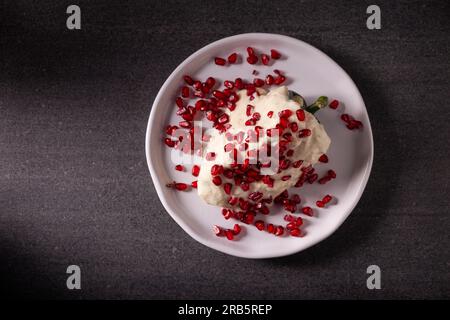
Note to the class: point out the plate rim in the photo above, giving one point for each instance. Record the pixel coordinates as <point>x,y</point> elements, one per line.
<point>158,185</point>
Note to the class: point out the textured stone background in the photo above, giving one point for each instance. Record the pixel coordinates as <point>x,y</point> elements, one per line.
<point>74,184</point>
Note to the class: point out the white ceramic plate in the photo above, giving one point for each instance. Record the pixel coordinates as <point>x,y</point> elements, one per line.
<point>311,73</point>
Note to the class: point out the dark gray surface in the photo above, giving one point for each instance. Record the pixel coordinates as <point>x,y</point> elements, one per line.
<point>74,184</point>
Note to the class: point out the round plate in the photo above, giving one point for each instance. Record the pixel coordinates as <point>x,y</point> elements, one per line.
<point>311,73</point>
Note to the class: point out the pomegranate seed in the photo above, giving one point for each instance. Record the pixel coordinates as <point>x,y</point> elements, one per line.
<point>169,142</point>
<point>171,129</point>
<point>285,113</point>
<point>210,156</point>
<point>304,133</point>
<point>236,229</point>
<point>334,104</point>
<point>298,221</point>
<point>228,84</point>
<point>345,117</point>
<point>195,170</point>
<point>324,180</point>
<point>177,185</point>
<point>256,116</point>
<point>258,82</point>
<point>229,234</point>
<point>291,225</point>
<point>320,204</point>
<point>238,83</point>
<point>217,180</point>
<point>216,169</point>
<point>265,59</point>
<point>210,82</point>
<point>250,51</point>
<point>323,158</point>
<point>327,199</point>
<point>232,58</point>
<point>227,188</point>
<point>331,174</point>
<point>297,164</point>
<point>308,211</point>
<point>218,231</point>
<point>279,80</point>
<point>255,196</point>
<point>269,80</point>
<point>296,198</point>
<point>194,184</point>
<point>267,180</point>
<point>250,122</point>
<point>245,186</point>
<point>300,114</point>
<point>179,102</point>
<point>252,59</point>
<point>313,178</point>
<point>185,92</point>
<point>295,232</point>
<point>185,124</point>
<point>259,225</point>
<point>179,167</point>
<point>188,80</point>
<point>288,217</point>
<point>279,231</point>
<point>249,109</point>
<point>233,201</point>
<point>270,114</point>
<point>227,213</point>
<point>275,54</point>
<point>285,178</point>
<point>219,61</point>
<point>270,228</point>
<point>223,118</point>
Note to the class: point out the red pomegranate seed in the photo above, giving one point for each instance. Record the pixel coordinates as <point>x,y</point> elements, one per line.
<point>223,118</point>
<point>334,104</point>
<point>188,80</point>
<point>219,94</point>
<point>296,198</point>
<point>295,232</point>
<point>233,201</point>
<point>291,225</point>
<point>245,186</point>
<point>285,178</point>
<point>279,80</point>
<point>270,114</point>
<point>300,114</point>
<point>250,51</point>
<point>331,174</point>
<point>238,83</point>
<point>248,110</point>
<point>345,117</point>
<point>256,116</point>
<point>227,213</point>
<point>288,217</point>
<point>269,80</point>
<point>185,92</point>
<point>236,229</point>
<point>250,122</point>
<point>216,169</point>
<point>259,224</point>
<point>210,156</point>
<point>258,82</point>
<point>275,54</point>
<point>179,167</point>
<point>324,180</point>
<point>279,231</point>
<point>210,82</point>
<point>313,178</point>
<point>285,113</point>
<point>252,59</point>
<point>169,142</point>
<point>171,129</point>
<point>219,61</point>
<point>229,84</point>
<point>327,199</point>
<point>194,184</point>
<point>270,228</point>
<point>323,158</point>
<point>195,170</point>
<point>179,101</point>
<point>185,124</point>
<point>265,59</point>
<point>232,58</point>
<point>320,204</point>
<point>304,133</point>
<point>177,185</point>
<point>218,231</point>
<point>298,221</point>
<point>217,180</point>
<point>229,234</point>
<point>308,211</point>
<point>227,188</point>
